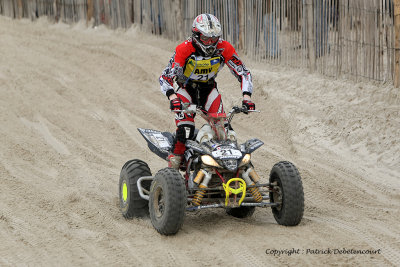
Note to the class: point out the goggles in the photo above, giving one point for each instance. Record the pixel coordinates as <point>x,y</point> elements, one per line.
<point>208,40</point>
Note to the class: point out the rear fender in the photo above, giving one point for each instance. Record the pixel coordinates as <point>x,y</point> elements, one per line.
<point>159,143</point>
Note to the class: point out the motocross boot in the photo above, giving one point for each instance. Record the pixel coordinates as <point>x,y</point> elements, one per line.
<point>175,156</point>
<point>174,161</point>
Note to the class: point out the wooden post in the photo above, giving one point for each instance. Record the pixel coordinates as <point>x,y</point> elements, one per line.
<point>310,34</point>
<point>389,43</point>
<point>89,11</point>
<point>107,19</point>
<point>179,19</point>
<point>397,43</point>
<point>20,9</point>
<point>241,24</point>
<point>133,11</point>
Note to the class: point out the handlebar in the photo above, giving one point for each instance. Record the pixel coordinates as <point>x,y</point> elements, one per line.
<point>236,110</point>
<point>242,109</point>
<point>192,108</point>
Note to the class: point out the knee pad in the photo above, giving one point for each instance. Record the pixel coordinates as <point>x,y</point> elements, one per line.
<point>184,132</point>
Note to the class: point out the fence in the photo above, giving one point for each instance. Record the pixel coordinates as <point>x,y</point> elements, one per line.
<point>340,38</point>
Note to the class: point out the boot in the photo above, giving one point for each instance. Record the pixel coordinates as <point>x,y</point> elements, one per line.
<point>174,161</point>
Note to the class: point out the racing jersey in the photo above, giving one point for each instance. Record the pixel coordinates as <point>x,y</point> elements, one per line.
<point>187,66</point>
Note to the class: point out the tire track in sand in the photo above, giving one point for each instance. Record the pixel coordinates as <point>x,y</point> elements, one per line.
<point>391,254</point>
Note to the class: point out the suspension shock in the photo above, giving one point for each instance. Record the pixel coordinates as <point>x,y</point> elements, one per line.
<point>256,193</point>
<point>199,195</point>
<point>248,177</point>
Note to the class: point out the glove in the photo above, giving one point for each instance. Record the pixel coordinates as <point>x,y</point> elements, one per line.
<point>249,105</point>
<point>175,104</point>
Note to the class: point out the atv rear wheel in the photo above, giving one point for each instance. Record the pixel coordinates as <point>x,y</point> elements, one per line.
<point>131,204</point>
<point>288,192</point>
<point>168,201</point>
<point>241,212</point>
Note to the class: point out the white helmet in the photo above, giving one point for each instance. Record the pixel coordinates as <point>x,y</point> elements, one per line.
<point>206,31</point>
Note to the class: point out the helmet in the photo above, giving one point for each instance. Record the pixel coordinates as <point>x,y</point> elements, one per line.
<point>206,31</point>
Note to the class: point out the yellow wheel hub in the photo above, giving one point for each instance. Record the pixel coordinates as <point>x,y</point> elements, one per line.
<point>124,192</point>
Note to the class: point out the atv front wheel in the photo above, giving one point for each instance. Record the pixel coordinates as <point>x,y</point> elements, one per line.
<point>168,201</point>
<point>130,202</point>
<point>287,191</point>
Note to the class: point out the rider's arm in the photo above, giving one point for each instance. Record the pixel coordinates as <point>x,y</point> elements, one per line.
<point>167,78</point>
<point>238,69</point>
<point>174,69</point>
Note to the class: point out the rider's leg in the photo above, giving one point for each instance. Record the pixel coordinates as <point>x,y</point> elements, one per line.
<point>213,102</point>
<point>183,133</point>
<point>185,130</point>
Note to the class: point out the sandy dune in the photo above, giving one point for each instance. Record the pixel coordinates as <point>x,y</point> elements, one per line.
<point>71,99</point>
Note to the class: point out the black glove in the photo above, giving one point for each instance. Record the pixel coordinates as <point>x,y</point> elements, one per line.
<point>175,104</point>
<point>249,105</point>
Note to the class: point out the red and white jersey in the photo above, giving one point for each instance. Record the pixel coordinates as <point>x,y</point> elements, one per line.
<point>188,66</point>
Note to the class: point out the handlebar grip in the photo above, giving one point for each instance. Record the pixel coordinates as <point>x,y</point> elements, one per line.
<point>188,108</point>
<point>182,111</point>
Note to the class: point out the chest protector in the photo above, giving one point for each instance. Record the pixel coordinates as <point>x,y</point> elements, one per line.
<point>202,70</point>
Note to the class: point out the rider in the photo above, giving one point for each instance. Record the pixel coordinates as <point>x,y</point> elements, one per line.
<point>194,67</point>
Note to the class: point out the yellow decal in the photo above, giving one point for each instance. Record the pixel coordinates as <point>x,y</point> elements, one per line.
<point>229,190</point>
<point>202,70</point>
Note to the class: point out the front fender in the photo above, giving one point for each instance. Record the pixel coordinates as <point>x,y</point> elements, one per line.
<point>195,146</point>
<point>251,145</point>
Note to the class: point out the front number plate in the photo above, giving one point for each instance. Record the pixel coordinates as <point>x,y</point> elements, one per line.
<point>227,154</point>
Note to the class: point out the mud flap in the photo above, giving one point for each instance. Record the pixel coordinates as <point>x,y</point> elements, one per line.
<point>159,143</point>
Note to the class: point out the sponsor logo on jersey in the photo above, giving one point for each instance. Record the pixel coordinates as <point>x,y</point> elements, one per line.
<point>214,61</point>
<point>202,71</point>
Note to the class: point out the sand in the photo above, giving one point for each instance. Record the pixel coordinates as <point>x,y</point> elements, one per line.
<point>71,100</point>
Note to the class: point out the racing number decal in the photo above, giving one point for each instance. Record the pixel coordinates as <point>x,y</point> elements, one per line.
<point>226,152</point>
<point>202,77</point>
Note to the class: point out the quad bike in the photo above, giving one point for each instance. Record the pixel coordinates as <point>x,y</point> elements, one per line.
<point>217,173</point>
